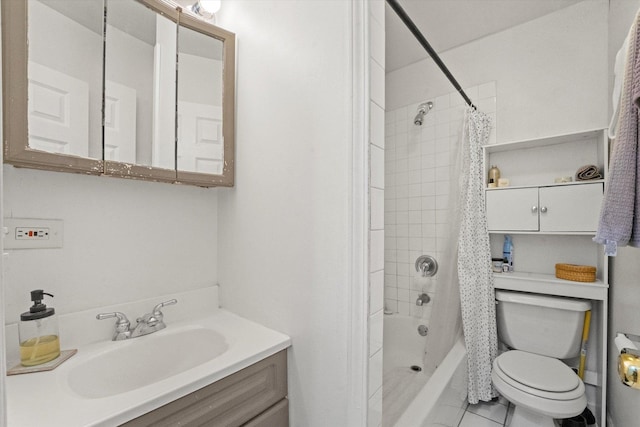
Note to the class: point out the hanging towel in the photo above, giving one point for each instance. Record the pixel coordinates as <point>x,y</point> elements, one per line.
<point>618,72</point>
<point>620,213</point>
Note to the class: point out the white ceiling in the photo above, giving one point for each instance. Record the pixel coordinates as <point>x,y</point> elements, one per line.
<point>450,23</point>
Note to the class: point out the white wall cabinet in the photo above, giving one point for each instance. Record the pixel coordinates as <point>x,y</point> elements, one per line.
<point>512,209</point>
<point>554,223</point>
<point>561,209</point>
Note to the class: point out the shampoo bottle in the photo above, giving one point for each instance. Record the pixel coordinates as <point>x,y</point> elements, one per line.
<point>494,175</point>
<point>507,253</point>
<point>38,331</point>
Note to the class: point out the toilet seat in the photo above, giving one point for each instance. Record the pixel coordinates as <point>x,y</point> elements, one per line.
<point>538,375</point>
<point>509,378</point>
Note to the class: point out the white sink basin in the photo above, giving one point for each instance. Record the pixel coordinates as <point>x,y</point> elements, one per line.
<point>109,383</point>
<point>137,362</point>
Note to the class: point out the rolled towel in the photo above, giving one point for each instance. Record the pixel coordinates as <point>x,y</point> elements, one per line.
<point>588,172</point>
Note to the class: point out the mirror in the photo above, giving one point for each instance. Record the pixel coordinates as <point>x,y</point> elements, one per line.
<point>205,103</point>
<point>65,76</point>
<point>52,86</point>
<point>106,101</point>
<point>139,89</point>
<point>200,141</point>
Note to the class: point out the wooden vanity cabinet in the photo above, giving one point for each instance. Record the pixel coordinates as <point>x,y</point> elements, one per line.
<point>253,397</point>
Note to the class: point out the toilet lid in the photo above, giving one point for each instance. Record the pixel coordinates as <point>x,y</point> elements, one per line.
<point>538,372</point>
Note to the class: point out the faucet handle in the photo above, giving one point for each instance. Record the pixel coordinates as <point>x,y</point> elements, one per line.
<point>156,310</point>
<point>122,318</point>
<point>122,324</point>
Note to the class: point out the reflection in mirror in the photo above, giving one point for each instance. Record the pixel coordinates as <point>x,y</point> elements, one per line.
<point>200,139</point>
<point>139,104</point>
<point>65,76</point>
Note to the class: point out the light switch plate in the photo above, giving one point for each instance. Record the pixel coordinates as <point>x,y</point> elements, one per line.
<point>31,233</point>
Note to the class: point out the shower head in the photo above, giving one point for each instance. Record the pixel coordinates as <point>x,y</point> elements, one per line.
<point>423,110</point>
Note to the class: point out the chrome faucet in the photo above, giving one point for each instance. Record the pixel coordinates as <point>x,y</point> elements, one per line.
<point>151,322</point>
<point>122,331</point>
<point>423,299</point>
<point>147,324</point>
<point>426,265</point>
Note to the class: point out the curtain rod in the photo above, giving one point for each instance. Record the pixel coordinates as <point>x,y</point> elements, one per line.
<point>423,41</point>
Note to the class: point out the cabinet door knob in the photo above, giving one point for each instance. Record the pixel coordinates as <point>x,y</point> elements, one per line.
<point>543,209</point>
<point>534,209</point>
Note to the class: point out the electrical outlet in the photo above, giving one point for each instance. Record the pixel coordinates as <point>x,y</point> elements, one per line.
<point>30,233</point>
<point>27,233</point>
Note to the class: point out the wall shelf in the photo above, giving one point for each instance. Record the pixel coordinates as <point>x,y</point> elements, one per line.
<point>544,233</point>
<point>549,284</point>
<point>559,184</point>
<point>542,142</point>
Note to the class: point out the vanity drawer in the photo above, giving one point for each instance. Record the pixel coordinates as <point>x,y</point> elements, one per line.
<point>276,416</point>
<point>232,401</point>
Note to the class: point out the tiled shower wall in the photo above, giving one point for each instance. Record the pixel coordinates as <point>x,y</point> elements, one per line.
<point>418,160</point>
<point>376,208</point>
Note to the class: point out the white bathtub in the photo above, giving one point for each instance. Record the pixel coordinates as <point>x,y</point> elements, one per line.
<point>444,398</point>
<point>403,346</point>
<point>439,400</point>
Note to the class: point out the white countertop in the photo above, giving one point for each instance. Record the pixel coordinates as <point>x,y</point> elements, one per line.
<point>45,398</point>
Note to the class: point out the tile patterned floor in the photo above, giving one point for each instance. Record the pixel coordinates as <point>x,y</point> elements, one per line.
<point>490,414</point>
<point>487,414</point>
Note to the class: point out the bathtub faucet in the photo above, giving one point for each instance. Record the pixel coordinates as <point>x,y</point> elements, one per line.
<point>423,299</point>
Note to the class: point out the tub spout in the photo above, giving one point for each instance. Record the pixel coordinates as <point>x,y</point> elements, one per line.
<point>423,299</point>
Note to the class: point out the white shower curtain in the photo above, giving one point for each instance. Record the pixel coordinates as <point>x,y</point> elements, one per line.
<point>477,299</point>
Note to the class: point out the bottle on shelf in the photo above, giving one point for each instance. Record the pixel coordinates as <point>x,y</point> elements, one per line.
<point>507,254</point>
<point>494,176</point>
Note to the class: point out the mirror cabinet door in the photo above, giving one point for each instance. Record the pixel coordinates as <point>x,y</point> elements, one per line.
<point>200,143</point>
<point>52,85</point>
<point>139,97</point>
<point>204,125</point>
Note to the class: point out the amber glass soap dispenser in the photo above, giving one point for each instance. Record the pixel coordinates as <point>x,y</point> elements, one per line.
<point>39,339</point>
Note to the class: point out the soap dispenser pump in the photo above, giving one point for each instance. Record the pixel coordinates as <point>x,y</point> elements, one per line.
<point>38,332</point>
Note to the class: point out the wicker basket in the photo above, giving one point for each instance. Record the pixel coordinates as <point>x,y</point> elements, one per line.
<point>576,273</point>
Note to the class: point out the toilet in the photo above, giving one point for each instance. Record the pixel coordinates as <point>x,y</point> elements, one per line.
<point>539,331</point>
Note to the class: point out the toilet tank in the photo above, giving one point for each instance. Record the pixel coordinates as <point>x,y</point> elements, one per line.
<point>541,324</point>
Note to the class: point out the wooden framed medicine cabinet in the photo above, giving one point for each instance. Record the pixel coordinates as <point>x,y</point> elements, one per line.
<point>133,89</point>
